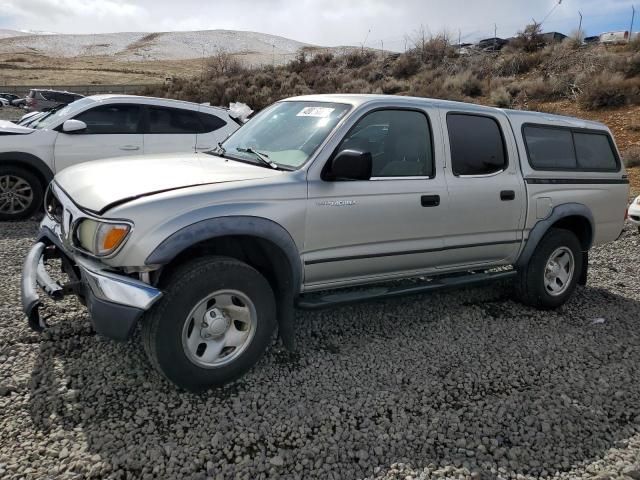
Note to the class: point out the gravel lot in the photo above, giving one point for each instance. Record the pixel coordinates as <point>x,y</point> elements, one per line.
<point>11,113</point>
<point>466,384</point>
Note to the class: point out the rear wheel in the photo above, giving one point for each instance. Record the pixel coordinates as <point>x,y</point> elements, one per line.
<point>214,322</point>
<point>552,273</point>
<point>20,193</point>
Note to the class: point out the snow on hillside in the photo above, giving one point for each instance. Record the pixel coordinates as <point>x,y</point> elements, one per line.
<point>150,46</point>
<point>5,33</point>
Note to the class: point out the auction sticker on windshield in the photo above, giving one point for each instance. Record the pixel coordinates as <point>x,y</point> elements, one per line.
<point>319,112</point>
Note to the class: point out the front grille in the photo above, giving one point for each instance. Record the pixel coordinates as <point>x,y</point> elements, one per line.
<point>53,206</point>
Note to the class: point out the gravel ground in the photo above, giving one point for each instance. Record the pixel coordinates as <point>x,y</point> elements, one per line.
<point>11,113</point>
<point>466,384</point>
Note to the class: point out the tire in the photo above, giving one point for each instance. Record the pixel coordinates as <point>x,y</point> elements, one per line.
<point>535,285</point>
<point>173,331</point>
<point>21,193</point>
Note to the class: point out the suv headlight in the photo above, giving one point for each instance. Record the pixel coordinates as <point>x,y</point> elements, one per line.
<point>101,238</point>
<point>637,202</point>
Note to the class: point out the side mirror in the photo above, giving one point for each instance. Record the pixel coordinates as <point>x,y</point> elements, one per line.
<point>71,126</point>
<point>351,165</point>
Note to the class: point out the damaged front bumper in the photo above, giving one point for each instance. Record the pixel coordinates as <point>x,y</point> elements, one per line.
<point>115,302</point>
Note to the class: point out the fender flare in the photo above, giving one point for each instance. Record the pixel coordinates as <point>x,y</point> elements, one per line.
<point>541,227</point>
<point>35,163</point>
<point>257,227</point>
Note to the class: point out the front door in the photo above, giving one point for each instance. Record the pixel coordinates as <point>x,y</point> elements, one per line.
<point>113,130</point>
<point>486,192</point>
<point>387,225</point>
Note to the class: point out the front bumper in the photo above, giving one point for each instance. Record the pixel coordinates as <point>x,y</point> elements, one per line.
<point>633,214</point>
<point>115,302</point>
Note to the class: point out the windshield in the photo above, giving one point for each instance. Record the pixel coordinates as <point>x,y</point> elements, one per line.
<point>52,118</point>
<point>287,133</point>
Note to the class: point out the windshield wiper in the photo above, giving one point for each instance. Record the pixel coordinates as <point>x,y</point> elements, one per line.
<point>263,157</point>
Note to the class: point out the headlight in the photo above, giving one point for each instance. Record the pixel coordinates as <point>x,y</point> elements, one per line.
<point>101,238</point>
<point>637,202</point>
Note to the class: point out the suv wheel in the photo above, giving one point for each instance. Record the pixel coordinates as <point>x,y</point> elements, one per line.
<point>214,322</point>
<point>552,273</point>
<point>20,193</point>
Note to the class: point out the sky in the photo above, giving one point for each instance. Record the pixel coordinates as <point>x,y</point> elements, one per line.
<point>377,23</point>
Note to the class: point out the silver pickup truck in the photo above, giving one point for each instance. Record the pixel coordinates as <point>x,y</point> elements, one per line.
<point>315,196</point>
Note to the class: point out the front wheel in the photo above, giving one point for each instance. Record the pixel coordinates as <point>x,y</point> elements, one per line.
<point>214,322</point>
<point>551,275</point>
<point>20,193</point>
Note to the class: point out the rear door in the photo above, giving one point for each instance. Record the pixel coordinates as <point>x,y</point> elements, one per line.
<point>171,130</point>
<point>113,130</point>
<point>486,192</point>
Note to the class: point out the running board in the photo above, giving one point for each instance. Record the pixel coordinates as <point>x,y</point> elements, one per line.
<point>316,301</point>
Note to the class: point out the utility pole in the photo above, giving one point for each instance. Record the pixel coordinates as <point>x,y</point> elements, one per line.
<point>365,40</point>
<point>633,15</point>
<point>495,36</point>
<point>273,53</point>
<point>459,38</point>
<point>382,48</point>
<point>580,24</point>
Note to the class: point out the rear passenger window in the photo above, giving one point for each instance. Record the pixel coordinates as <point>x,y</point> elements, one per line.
<point>567,149</point>
<point>550,148</point>
<point>477,146</point>
<point>173,120</point>
<point>210,122</point>
<point>594,152</point>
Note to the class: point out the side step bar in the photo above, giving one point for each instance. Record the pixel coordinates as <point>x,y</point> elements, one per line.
<point>316,301</point>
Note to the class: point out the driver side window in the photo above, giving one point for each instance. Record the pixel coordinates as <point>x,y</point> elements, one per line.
<point>399,142</point>
<point>111,119</point>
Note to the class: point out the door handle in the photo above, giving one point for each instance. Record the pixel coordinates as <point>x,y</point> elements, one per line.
<point>430,200</point>
<point>507,195</point>
<point>129,147</point>
<point>204,148</point>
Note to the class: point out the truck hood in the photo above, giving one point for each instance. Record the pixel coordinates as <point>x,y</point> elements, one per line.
<point>102,184</point>
<point>11,128</point>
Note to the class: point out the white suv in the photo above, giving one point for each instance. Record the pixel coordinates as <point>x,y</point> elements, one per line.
<point>98,127</point>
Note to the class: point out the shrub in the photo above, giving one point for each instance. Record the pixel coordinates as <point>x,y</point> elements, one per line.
<point>223,63</point>
<point>607,90</point>
<point>500,97</point>
<point>392,86</point>
<point>406,65</point>
<point>633,66</point>
<point>517,63</point>
<point>465,83</point>
<point>631,157</point>
<point>358,58</point>
<point>322,59</point>
<point>529,39</point>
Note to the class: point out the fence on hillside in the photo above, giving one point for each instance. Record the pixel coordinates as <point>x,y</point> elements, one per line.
<point>22,90</point>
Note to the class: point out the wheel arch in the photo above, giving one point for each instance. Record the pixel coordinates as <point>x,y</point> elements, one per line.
<point>30,162</point>
<point>575,217</point>
<point>262,243</point>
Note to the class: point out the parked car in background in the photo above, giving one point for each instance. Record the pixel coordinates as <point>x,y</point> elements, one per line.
<point>97,127</point>
<point>212,252</point>
<point>9,97</point>
<point>19,102</point>
<point>491,44</point>
<point>633,213</point>
<point>43,100</point>
<point>616,37</point>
